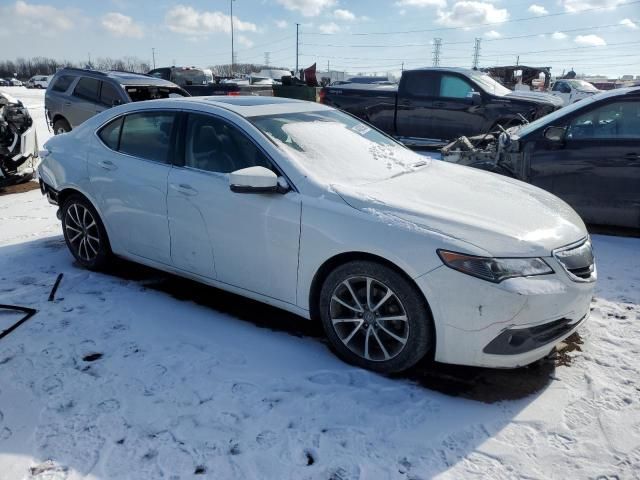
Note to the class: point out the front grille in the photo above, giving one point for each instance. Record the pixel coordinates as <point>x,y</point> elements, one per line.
<point>578,261</point>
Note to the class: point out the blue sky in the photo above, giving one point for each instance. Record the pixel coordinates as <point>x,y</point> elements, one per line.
<point>592,36</point>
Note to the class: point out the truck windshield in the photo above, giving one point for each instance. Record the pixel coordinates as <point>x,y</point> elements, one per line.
<point>335,148</point>
<point>489,85</point>
<point>582,85</point>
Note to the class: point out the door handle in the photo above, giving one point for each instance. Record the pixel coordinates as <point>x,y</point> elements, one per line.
<point>67,104</point>
<point>632,156</point>
<point>107,165</point>
<point>438,105</point>
<point>184,188</point>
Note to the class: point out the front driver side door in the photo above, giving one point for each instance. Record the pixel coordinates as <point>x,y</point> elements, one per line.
<point>597,168</point>
<point>247,240</point>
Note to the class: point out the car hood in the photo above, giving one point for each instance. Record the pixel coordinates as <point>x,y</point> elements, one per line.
<point>501,216</point>
<point>538,97</point>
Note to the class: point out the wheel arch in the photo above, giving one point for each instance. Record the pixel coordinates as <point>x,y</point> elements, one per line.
<point>340,259</point>
<point>59,116</point>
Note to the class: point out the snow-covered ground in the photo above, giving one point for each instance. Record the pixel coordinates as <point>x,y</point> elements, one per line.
<point>140,375</point>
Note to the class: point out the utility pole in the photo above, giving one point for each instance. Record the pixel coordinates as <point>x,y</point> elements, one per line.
<point>266,58</point>
<point>153,54</point>
<point>328,69</point>
<point>297,44</point>
<point>437,45</point>
<point>518,60</point>
<point>233,55</point>
<point>402,67</point>
<point>476,53</point>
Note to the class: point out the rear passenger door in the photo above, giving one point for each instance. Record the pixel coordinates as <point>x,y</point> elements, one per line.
<point>128,168</point>
<point>416,95</point>
<point>85,99</point>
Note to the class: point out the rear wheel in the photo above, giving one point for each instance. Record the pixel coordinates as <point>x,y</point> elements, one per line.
<point>61,126</point>
<point>374,317</point>
<point>84,233</point>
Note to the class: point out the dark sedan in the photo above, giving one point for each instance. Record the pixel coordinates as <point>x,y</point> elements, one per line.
<point>587,153</point>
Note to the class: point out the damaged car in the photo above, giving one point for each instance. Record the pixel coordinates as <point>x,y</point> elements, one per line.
<point>18,142</point>
<point>77,94</point>
<point>587,153</point>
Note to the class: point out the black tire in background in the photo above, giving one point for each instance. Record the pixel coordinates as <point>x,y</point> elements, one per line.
<point>84,233</point>
<point>61,126</point>
<point>407,301</point>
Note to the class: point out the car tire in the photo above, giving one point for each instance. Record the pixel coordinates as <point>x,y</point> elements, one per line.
<point>84,233</point>
<point>61,126</point>
<point>398,330</point>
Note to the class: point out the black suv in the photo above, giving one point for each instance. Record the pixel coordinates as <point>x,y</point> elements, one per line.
<point>75,95</point>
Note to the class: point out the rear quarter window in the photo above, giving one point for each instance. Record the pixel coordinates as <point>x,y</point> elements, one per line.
<point>147,135</point>
<point>110,134</point>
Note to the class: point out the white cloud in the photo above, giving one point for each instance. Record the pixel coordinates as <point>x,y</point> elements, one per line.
<point>578,5</point>
<point>558,36</point>
<point>330,27</point>
<point>342,14</point>
<point>120,25</point>
<point>537,9</point>
<point>589,40</point>
<point>629,24</point>
<point>245,41</point>
<point>421,3</point>
<point>466,13</point>
<point>282,23</point>
<point>492,34</point>
<point>42,17</point>
<point>308,8</point>
<point>189,21</point>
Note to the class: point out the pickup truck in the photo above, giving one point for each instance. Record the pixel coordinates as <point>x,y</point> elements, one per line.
<point>433,105</point>
<point>197,81</point>
<point>572,90</point>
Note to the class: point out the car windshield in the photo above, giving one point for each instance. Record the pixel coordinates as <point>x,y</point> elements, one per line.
<point>336,148</point>
<point>554,116</point>
<point>490,85</point>
<point>582,85</point>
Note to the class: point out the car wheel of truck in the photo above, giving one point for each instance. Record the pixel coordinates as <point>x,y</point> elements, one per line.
<point>84,233</point>
<point>61,126</point>
<point>374,317</point>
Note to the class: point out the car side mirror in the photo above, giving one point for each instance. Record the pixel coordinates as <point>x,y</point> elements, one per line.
<point>555,134</point>
<point>476,98</point>
<point>253,180</point>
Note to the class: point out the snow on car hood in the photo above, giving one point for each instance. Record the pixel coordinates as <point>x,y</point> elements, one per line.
<point>504,217</point>
<point>537,97</point>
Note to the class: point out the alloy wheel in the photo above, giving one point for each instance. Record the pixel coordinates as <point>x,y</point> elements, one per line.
<point>82,232</point>
<point>369,318</point>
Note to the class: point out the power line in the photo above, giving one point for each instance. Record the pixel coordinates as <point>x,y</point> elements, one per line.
<point>465,27</point>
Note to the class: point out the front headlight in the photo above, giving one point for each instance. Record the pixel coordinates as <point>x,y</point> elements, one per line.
<point>494,269</point>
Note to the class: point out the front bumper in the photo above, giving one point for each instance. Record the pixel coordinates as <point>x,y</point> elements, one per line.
<point>504,325</point>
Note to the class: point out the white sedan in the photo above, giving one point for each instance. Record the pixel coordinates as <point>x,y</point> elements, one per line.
<point>304,207</point>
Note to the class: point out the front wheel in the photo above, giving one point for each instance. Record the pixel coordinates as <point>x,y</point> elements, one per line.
<point>84,233</point>
<point>374,317</point>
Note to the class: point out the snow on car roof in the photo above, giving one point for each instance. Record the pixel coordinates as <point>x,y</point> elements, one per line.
<point>254,106</point>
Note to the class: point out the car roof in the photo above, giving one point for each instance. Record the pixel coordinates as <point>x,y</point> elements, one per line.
<point>124,78</point>
<point>465,71</point>
<point>252,106</point>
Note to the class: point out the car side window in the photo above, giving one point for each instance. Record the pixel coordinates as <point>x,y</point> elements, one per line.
<point>109,96</point>
<point>452,86</point>
<point>87,88</point>
<point>148,135</point>
<point>615,120</point>
<point>214,145</point>
<point>62,83</point>
<point>419,84</point>
<point>110,133</point>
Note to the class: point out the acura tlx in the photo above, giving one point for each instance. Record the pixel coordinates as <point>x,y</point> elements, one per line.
<point>304,207</point>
